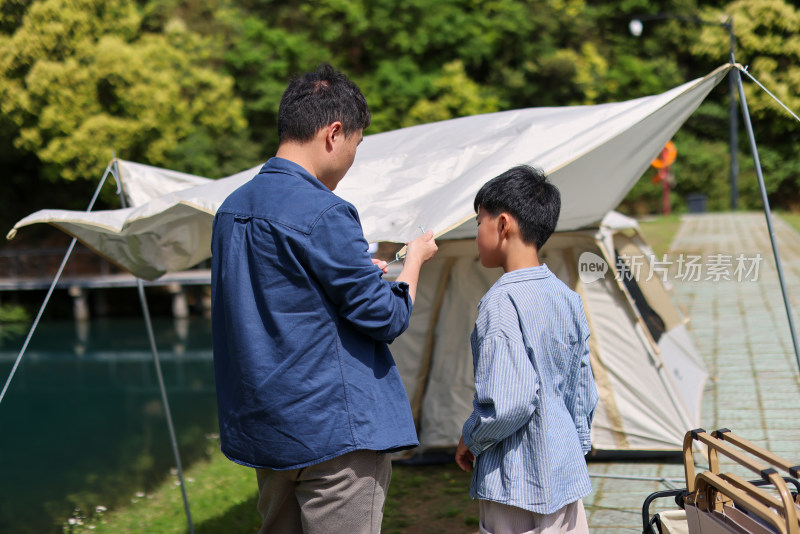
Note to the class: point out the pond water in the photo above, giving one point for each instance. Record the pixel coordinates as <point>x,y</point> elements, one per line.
<point>82,424</point>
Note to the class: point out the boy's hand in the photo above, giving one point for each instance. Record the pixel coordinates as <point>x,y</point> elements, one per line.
<point>464,457</point>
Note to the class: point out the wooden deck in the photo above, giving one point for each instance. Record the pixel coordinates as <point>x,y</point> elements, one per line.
<point>101,281</point>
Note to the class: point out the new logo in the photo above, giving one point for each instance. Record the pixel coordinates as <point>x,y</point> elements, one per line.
<point>591,267</point>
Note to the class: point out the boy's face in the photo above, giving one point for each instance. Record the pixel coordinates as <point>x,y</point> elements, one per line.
<point>488,240</point>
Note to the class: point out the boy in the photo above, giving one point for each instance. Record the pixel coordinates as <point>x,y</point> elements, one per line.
<point>307,391</point>
<point>534,391</point>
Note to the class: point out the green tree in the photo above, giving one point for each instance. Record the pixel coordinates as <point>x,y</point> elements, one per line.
<point>768,42</point>
<point>79,79</point>
<point>261,57</point>
<point>171,82</point>
<point>768,33</point>
<point>516,53</point>
<point>456,96</point>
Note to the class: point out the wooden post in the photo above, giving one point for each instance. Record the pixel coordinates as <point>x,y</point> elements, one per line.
<point>180,307</point>
<point>80,304</point>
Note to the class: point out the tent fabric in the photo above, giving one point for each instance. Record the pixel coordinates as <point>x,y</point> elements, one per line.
<point>424,175</point>
<point>427,176</point>
<point>143,183</point>
<point>650,393</point>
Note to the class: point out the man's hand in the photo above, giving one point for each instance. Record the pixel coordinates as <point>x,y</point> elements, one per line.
<point>382,265</point>
<point>421,249</point>
<point>464,457</point>
<point>418,252</point>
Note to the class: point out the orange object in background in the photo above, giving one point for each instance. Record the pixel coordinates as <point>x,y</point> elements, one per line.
<point>662,163</point>
<point>667,156</point>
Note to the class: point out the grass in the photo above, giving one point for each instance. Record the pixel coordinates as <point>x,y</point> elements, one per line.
<point>792,218</point>
<point>222,496</point>
<point>659,232</point>
<point>429,499</point>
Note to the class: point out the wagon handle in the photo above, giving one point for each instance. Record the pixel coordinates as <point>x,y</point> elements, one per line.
<point>704,500</point>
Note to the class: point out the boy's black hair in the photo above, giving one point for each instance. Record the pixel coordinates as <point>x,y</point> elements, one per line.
<point>317,99</point>
<point>525,193</point>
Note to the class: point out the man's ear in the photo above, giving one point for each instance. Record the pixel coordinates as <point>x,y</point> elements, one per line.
<point>333,134</point>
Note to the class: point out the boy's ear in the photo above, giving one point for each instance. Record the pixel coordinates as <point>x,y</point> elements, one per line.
<point>503,224</point>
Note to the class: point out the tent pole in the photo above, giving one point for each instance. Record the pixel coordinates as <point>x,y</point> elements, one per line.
<point>50,291</point>
<point>768,214</point>
<point>157,362</point>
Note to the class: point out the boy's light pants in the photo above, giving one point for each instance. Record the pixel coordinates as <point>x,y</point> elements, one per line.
<point>499,518</point>
<point>345,494</point>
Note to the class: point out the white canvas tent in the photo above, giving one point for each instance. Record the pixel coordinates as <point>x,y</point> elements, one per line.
<point>427,176</point>
<point>650,379</point>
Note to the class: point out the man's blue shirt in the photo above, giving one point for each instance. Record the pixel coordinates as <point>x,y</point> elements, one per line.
<point>301,319</point>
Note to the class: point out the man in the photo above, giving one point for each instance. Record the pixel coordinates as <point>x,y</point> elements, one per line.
<point>307,390</point>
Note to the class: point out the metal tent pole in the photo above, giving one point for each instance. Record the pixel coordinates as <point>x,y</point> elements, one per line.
<point>49,291</point>
<point>733,123</point>
<point>157,362</point>
<point>768,214</point>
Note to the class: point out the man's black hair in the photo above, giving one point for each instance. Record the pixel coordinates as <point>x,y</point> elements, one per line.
<point>317,99</point>
<point>525,193</point>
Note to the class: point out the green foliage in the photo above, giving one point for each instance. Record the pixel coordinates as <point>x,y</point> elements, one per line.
<point>261,58</point>
<point>79,80</point>
<point>393,90</point>
<point>10,313</point>
<point>14,321</point>
<point>768,42</point>
<point>195,85</point>
<point>701,167</point>
<point>455,96</point>
<point>11,13</point>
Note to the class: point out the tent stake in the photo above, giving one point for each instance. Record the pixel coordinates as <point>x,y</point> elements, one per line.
<point>768,214</point>
<point>50,291</point>
<point>157,362</point>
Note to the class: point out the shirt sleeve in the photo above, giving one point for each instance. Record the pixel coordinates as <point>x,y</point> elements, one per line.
<point>506,386</point>
<point>585,398</point>
<point>339,260</point>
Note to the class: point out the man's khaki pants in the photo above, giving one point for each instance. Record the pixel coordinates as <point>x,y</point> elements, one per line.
<point>342,495</point>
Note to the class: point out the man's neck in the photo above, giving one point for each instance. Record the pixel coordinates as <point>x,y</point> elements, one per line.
<point>299,154</point>
<point>304,155</point>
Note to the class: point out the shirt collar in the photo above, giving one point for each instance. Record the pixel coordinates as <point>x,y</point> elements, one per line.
<point>285,166</point>
<point>528,273</point>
